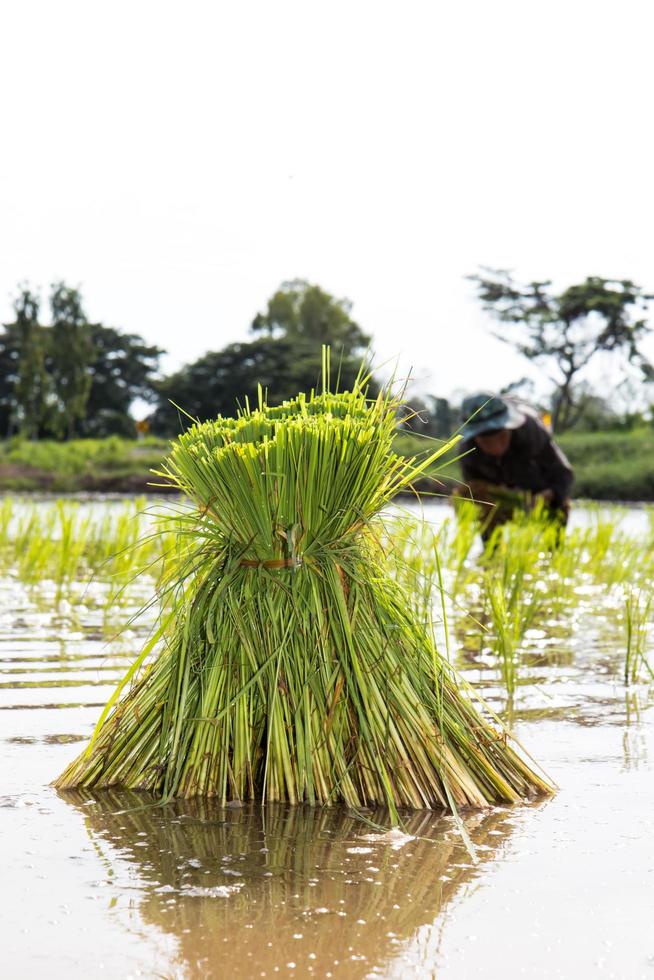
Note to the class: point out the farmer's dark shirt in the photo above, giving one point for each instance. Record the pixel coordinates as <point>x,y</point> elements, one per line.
<point>533,461</point>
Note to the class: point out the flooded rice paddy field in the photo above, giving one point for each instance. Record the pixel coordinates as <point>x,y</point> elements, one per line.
<point>104,885</point>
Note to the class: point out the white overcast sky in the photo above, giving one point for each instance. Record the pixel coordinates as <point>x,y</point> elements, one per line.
<point>179,160</point>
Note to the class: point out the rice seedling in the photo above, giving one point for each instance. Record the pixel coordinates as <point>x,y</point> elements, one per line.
<point>512,568</point>
<point>492,505</point>
<point>63,543</point>
<point>526,578</point>
<point>507,631</point>
<point>611,556</point>
<point>289,665</point>
<point>637,623</point>
<point>462,542</point>
<point>410,546</point>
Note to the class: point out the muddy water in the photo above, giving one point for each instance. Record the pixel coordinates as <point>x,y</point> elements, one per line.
<point>107,885</point>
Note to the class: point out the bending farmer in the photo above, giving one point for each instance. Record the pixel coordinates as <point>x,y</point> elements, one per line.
<point>511,461</point>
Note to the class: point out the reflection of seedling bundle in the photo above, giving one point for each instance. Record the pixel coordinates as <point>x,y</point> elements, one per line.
<point>294,668</point>
<point>256,876</point>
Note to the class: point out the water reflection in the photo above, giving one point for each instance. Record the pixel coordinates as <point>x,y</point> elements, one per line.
<point>291,890</point>
<point>635,732</point>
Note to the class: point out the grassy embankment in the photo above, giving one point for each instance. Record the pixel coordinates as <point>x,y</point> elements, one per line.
<point>608,465</point>
<point>612,465</point>
<point>110,465</point>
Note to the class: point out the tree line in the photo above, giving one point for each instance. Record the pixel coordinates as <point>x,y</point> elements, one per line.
<point>72,377</point>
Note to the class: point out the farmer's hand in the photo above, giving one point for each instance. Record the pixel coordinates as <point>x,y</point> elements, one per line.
<point>548,497</point>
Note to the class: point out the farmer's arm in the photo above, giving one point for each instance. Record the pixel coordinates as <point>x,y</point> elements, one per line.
<point>556,470</point>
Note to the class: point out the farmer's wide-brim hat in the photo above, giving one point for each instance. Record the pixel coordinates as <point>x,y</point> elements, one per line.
<point>483,412</point>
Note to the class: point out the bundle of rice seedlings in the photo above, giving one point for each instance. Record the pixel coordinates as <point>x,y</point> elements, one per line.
<point>292,667</point>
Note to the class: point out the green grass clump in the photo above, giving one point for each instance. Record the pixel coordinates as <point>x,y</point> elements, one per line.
<point>514,597</point>
<point>289,664</point>
<point>638,608</point>
<point>62,542</point>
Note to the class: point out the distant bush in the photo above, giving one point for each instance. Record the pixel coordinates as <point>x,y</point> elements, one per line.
<point>587,447</point>
<point>78,464</point>
<point>612,465</point>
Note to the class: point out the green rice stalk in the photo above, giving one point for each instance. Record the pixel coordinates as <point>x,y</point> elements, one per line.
<point>290,666</point>
<point>637,624</point>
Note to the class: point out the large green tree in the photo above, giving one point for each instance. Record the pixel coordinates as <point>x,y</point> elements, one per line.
<point>565,331</point>
<point>73,376</point>
<point>301,311</point>
<point>122,368</point>
<point>9,357</point>
<point>71,355</point>
<point>32,381</point>
<point>24,382</point>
